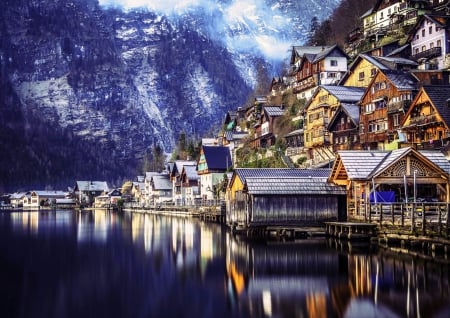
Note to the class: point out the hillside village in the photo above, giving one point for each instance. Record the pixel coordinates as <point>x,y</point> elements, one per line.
<point>373,116</point>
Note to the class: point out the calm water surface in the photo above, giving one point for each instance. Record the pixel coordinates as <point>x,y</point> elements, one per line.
<point>104,264</point>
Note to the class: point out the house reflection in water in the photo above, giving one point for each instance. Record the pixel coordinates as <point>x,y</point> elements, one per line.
<point>310,279</point>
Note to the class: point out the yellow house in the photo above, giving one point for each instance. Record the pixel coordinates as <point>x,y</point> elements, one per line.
<point>365,67</point>
<point>318,113</point>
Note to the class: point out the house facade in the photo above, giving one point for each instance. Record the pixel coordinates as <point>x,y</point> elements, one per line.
<point>86,191</point>
<point>427,122</point>
<point>212,165</point>
<point>430,45</point>
<point>383,106</point>
<point>283,197</point>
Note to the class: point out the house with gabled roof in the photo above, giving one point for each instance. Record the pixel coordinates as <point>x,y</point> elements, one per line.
<point>344,127</point>
<point>427,122</point>
<point>260,198</point>
<point>86,191</point>
<point>318,113</point>
<point>175,178</point>
<point>161,190</point>
<point>398,174</point>
<point>213,163</point>
<point>365,67</point>
<point>264,135</point>
<point>325,67</point>
<point>40,198</point>
<point>383,106</point>
<point>430,42</point>
<point>190,191</point>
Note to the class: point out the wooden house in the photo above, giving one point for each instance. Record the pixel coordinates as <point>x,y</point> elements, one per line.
<point>264,133</point>
<point>318,112</point>
<point>176,179</point>
<point>344,127</point>
<point>16,199</point>
<point>395,173</point>
<point>427,122</point>
<point>429,42</point>
<point>190,185</point>
<point>283,197</point>
<point>383,106</point>
<point>325,67</point>
<point>37,199</point>
<point>365,67</point>
<point>213,163</point>
<point>161,189</point>
<point>108,199</point>
<point>148,199</point>
<point>86,191</point>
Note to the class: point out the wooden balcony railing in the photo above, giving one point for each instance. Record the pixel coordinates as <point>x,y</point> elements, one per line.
<point>428,54</point>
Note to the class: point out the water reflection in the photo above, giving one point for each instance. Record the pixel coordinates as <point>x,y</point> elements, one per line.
<point>99,263</point>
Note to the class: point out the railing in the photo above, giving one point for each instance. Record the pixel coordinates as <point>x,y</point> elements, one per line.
<point>425,218</point>
<point>430,53</point>
<point>421,120</point>
<point>398,106</point>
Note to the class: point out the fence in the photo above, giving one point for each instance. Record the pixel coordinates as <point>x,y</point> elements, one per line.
<point>430,219</point>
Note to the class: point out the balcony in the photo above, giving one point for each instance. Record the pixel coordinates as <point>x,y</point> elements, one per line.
<point>428,54</point>
<point>403,105</point>
<point>423,120</point>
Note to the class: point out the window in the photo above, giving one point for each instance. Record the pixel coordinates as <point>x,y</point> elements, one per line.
<point>333,63</point>
<point>381,15</point>
<point>430,30</point>
<point>423,48</point>
<point>342,120</point>
<point>438,43</point>
<point>361,76</point>
<point>431,45</point>
<point>373,72</point>
<point>416,50</point>
<point>423,33</point>
<point>396,120</point>
<point>331,75</point>
<point>417,36</point>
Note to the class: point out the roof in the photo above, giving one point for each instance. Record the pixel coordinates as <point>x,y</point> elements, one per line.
<point>161,183</point>
<point>191,172</point>
<point>244,173</point>
<point>402,80</point>
<point>439,96</point>
<point>365,164</point>
<point>274,111</point>
<point>325,52</point>
<point>217,157</point>
<point>53,194</point>
<point>182,163</point>
<point>293,186</point>
<point>295,133</point>
<point>92,186</point>
<point>351,110</point>
<point>349,94</point>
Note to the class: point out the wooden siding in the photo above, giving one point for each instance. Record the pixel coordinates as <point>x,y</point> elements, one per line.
<point>299,210</point>
<point>354,79</point>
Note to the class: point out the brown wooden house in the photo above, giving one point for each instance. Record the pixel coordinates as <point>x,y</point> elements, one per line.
<point>344,127</point>
<point>394,173</point>
<point>264,133</point>
<point>427,122</point>
<point>383,106</point>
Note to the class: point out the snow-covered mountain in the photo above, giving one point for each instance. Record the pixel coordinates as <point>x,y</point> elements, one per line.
<point>87,88</point>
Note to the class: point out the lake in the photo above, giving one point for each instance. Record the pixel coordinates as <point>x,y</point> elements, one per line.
<point>107,264</point>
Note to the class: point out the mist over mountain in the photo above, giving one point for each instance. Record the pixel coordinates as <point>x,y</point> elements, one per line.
<point>88,88</point>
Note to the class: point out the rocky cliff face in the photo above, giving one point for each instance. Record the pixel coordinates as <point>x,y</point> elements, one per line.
<point>86,91</point>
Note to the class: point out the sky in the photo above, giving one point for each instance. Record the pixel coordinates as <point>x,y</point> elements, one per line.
<point>252,13</point>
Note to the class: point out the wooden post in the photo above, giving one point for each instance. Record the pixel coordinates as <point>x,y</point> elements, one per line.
<point>439,219</point>
<point>370,212</point>
<point>423,219</point>
<point>413,211</point>
<point>402,214</point>
<point>447,221</point>
<point>392,213</point>
<point>380,207</point>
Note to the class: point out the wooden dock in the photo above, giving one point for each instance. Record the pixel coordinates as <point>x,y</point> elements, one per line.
<point>351,230</point>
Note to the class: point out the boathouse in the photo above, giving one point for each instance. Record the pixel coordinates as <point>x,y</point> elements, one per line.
<point>283,197</point>
<point>401,175</point>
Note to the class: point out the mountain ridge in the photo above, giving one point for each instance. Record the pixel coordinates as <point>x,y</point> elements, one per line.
<point>87,91</point>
